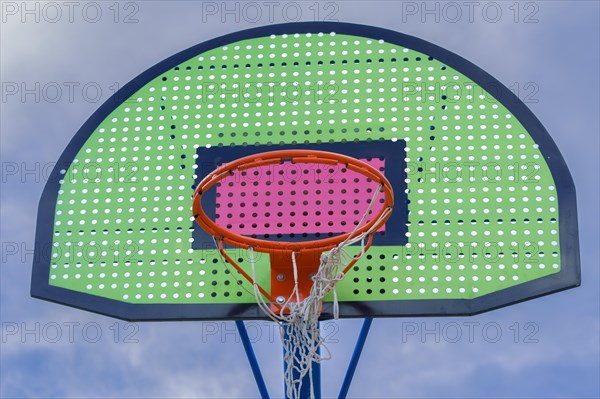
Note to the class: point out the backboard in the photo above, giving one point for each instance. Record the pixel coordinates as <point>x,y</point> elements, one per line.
<point>485,210</point>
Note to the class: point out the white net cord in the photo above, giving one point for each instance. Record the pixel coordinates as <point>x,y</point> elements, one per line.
<point>299,329</point>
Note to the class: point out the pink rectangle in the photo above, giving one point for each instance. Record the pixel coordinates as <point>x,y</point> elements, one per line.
<point>296,199</point>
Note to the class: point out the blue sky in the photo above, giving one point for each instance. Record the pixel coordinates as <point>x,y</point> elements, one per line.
<point>550,46</point>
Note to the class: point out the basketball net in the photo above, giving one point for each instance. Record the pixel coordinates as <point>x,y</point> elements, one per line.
<point>299,329</point>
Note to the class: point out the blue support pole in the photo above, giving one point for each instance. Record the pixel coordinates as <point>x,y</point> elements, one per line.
<point>360,343</point>
<point>260,382</point>
<point>306,388</point>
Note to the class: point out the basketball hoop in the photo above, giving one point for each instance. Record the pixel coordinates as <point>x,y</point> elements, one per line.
<point>296,303</point>
<point>305,253</point>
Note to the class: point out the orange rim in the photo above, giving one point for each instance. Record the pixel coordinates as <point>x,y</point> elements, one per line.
<point>293,156</point>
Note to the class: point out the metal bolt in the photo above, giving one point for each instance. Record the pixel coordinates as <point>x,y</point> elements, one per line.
<point>311,276</point>
<point>281,277</point>
<point>280,300</point>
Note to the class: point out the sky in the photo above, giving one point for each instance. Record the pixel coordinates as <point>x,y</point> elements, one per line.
<point>548,348</point>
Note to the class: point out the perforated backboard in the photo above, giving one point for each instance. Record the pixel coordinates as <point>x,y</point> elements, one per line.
<point>485,212</point>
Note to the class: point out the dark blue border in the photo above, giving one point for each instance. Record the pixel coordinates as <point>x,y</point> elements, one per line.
<point>393,152</point>
<point>568,277</point>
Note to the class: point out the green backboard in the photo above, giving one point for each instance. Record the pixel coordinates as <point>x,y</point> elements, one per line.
<point>485,212</point>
